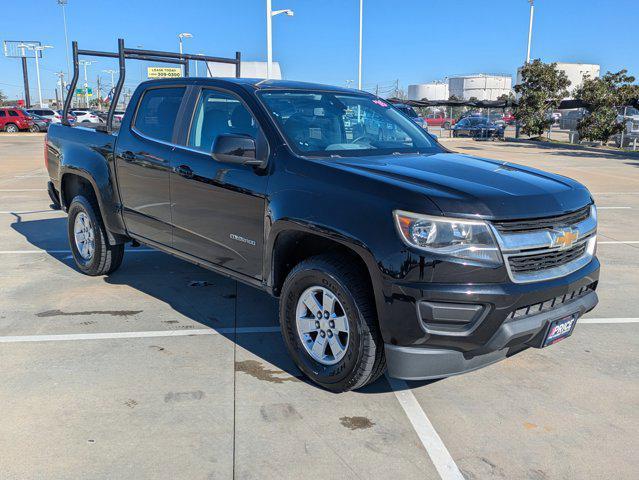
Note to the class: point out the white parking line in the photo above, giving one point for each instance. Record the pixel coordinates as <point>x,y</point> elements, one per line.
<point>617,242</point>
<point>23,189</point>
<point>614,208</point>
<point>10,212</point>
<point>437,451</point>
<point>33,252</point>
<point>151,333</point>
<point>609,320</point>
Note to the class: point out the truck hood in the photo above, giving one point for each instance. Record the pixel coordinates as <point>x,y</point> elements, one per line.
<point>466,185</point>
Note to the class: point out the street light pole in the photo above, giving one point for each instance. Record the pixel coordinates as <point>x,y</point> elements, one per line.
<point>359,63</point>
<point>63,4</point>
<point>180,37</point>
<point>270,13</point>
<point>532,11</point>
<point>86,63</point>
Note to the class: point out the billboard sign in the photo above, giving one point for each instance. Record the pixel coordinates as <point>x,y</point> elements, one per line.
<point>12,48</point>
<point>163,72</point>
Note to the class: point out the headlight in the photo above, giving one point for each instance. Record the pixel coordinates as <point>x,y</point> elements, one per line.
<point>469,240</point>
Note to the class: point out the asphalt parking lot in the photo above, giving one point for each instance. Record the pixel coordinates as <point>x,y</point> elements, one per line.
<point>166,370</point>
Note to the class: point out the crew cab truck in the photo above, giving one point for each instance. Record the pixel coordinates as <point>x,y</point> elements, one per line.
<point>386,250</point>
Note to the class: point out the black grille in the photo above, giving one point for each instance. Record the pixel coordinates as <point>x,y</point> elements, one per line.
<point>552,302</point>
<point>566,220</point>
<point>542,261</point>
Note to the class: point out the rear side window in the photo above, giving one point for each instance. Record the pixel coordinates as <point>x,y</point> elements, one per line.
<point>13,113</point>
<point>157,111</point>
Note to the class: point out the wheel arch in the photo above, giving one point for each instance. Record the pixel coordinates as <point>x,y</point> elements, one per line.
<point>291,242</point>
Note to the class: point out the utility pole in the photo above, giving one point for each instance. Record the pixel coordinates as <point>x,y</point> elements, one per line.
<point>359,63</point>
<point>60,76</point>
<point>532,12</point>
<point>99,97</point>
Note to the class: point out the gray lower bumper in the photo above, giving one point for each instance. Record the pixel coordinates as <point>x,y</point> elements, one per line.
<point>419,363</point>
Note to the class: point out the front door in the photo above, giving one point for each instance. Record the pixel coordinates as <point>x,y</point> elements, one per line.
<point>218,208</point>
<point>143,161</point>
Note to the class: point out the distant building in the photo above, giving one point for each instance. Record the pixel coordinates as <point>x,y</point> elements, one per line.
<point>575,73</point>
<point>247,70</point>
<point>429,91</point>
<point>480,86</point>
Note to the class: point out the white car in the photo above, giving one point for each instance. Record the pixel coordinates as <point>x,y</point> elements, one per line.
<point>52,115</point>
<point>83,116</point>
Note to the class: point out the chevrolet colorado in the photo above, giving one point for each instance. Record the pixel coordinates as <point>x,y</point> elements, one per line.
<point>385,249</point>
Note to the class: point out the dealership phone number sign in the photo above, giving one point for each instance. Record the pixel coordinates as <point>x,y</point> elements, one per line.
<point>163,72</point>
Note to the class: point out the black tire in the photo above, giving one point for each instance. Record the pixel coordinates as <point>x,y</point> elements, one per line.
<point>364,360</point>
<point>34,129</point>
<point>105,258</point>
<point>11,128</point>
<point>446,125</point>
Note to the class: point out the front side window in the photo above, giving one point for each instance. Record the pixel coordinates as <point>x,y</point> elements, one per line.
<point>219,113</point>
<point>157,111</point>
<point>319,123</point>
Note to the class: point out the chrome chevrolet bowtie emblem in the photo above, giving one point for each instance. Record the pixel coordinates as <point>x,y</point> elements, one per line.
<point>564,238</point>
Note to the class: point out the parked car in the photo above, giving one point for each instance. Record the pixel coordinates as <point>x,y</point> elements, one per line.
<point>477,127</point>
<point>384,248</point>
<point>70,116</point>
<point>438,119</point>
<point>14,119</point>
<point>412,114</point>
<point>48,113</point>
<point>509,118</point>
<point>82,116</point>
<point>497,118</point>
<point>40,124</point>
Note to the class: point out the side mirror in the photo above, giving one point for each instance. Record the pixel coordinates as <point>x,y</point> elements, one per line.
<point>237,149</point>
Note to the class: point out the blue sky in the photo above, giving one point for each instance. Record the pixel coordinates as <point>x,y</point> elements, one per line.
<point>410,40</point>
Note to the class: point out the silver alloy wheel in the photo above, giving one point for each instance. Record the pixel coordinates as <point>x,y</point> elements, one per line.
<point>84,237</point>
<point>322,325</point>
<point>11,129</point>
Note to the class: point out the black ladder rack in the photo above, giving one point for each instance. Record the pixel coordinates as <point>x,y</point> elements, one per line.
<point>135,54</point>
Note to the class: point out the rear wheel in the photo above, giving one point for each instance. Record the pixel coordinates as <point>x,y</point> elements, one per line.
<point>34,129</point>
<point>87,237</point>
<point>11,128</point>
<point>329,323</point>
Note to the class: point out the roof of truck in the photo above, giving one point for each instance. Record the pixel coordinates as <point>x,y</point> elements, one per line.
<point>256,83</point>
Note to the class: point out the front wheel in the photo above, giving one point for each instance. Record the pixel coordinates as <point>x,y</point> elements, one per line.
<point>87,237</point>
<point>329,323</point>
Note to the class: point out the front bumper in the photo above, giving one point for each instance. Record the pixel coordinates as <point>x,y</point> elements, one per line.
<point>413,363</point>
<point>434,330</point>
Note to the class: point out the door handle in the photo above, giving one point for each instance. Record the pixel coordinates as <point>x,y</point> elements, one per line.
<point>184,171</point>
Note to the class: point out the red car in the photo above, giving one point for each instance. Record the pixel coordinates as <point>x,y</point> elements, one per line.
<point>13,119</point>
<point>508,118</point>
<point>440,120</point>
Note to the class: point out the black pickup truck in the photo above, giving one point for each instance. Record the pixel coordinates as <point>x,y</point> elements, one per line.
<point>384,248</point>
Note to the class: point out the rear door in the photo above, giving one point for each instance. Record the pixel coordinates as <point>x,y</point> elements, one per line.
<point>143,155</point>
<point>218,208</point>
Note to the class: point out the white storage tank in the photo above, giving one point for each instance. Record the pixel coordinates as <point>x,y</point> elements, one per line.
<point>575,73</point>
<point>428,91</point>
<point>481,86</point>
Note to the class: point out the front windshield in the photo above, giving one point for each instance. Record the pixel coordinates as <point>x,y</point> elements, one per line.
<point>318,123</point>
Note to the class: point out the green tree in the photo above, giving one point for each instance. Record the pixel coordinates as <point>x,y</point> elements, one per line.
<point>602,95</point>
<point>542,88</point>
